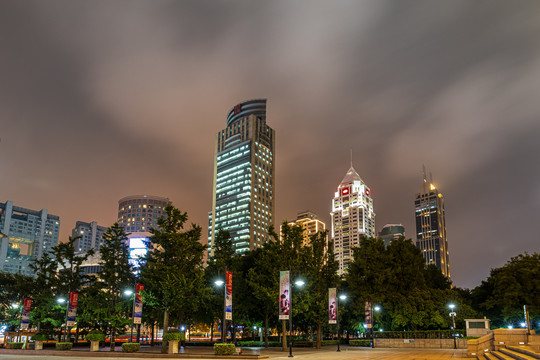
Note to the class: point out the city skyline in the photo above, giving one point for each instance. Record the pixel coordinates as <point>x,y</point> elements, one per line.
<point>102,101</point>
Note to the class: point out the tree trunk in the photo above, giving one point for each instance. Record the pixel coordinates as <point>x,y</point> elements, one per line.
<point>165,326</point>
<point>138,332</point>
<point>212,331</point>
<point>319,335</point>
<point>77,334</point>
<point>112,339</point>
<point>152,342</point>
<point>284,335</point>
<point>266,331</point>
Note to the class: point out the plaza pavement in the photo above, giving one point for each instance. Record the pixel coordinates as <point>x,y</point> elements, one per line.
<point>326,353</point>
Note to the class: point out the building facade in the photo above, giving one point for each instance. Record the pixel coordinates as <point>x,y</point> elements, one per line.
<point>29,235</point>
<point>137,214</point>
<point>431,226</point>
<point>310,225</point>
<point>244,178</point>
<point>352,216</point>
<point>390,232</point>
<point>90,236</point>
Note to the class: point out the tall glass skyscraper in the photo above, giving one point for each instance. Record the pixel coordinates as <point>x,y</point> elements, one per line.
<point>431,226</point>
<point>352,216</point>
<point>243,187</point>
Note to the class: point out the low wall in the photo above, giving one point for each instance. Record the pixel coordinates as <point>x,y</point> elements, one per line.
<point>475,347</point>
<point>421,343</point>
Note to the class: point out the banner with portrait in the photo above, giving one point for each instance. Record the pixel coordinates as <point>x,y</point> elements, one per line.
<point>228,296</point>
<point>368,314</point>
<point>332,305</point>
<point>284,295</point>
<point>138,304</point>
<point>25,315</point>
<point>72,308</point>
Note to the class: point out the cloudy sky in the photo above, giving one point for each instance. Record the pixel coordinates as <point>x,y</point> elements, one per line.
<point>104,99</point>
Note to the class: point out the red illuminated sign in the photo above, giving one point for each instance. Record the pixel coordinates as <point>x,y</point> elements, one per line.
<point>345,191</point>
<point>237,109</point>
<point>368,192</point>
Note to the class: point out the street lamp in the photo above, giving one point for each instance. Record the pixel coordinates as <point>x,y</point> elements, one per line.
<point>129,292</point>
<point>220,282</point>
<point>377,308</point>
<point>453,315</point>
<point>62,300</point>
<point>298,283</point>
<point>341,297</point>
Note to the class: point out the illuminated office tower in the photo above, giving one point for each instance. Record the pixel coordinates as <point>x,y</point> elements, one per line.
<point>391,232</point>
<point>28,235</point>
<point>352,216</point>
<point>431,226</point>
<point>243,187</point>
<point>310,226</point>
<point>137,214</point>
<point>90,236</point>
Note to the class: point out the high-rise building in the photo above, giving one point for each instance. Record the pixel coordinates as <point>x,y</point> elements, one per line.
<point>90,236</point>
<point>310,225</point>
<point>352,216</point>
<point>137,214</point>
<point>431,226</point>
<point>390,232</point>
<point>244,182</point>
<point>29,235</point>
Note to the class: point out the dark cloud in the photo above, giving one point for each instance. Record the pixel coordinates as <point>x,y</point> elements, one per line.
<point>101,99</point>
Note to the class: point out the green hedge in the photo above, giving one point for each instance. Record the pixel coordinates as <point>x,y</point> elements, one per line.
<point>363,342</point>
<point>64,346</point>
<point>224,349</point>
<point>40,337</point>
<point>15,345</point>
<point>328,342</point>
<point>95,335</point>
<point>131,347</point>
<point>424,334</point>
<point>258,344</point>
<point>302,343</point>
<point>174,335</point>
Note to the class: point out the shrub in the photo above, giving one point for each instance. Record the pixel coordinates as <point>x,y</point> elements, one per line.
<point>40,337</point>
<point>131,347</point>
<point>258,344</point>
<point>302,343</point>
<point>174,335</point>
<point>363,342</point>
<point>64,346</point>
<point>224,349</point>
<point>95,335</point>
<point>328,342</point>
<point>15,345</point>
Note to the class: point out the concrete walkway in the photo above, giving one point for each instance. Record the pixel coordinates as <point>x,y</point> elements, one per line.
<point>326,353</point>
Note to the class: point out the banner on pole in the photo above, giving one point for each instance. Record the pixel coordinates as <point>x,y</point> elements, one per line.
<point>228,296</point>
<point>332,306</point>
<point>284,293</point>
<point>25,316</point>
<point>368,313</point>
<point>72,308</point>
<point>138,305</point>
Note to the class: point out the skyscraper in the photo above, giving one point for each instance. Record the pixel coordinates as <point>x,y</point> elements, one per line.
<point>310,225</point>
<point>431,226</point>
<point>29,235</point>
<point>352,216</point>
<point>91,236</point>
<point>390,232</point>
<point>243,187</point>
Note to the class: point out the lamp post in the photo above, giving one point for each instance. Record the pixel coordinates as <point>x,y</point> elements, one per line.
<point>220,282</point>
<point>129,292</point>
<point>62,300</point>
<point>341,297</point>
<point>377,308</point>
<point>453,315</point>
<point>16,306</point>
<point>298,283</point>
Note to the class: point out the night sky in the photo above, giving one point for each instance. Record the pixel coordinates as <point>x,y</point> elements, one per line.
<point>104,99</point>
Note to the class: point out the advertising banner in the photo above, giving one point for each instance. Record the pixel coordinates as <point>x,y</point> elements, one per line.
<point>72,308</point>
<point>332,306</point>
<point>368,313</point>
<point>284,291</point>
<point>228,296</point>
<point>137,307</point>
<point>25,316</point>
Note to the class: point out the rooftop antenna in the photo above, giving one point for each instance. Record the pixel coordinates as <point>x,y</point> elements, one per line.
<point>351,158</point>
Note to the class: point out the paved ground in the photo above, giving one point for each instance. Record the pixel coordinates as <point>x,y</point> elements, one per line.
<point>327,353</point>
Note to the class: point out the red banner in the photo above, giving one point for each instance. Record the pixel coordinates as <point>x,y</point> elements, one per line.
<point>138,305</point>
<point>25,316</point>
<point>228,296</point>
<point>72,308</point>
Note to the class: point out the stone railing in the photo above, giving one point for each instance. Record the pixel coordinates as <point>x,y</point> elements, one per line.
<point>476,347</point>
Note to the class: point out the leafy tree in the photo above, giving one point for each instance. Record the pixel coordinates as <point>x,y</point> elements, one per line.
<point>172,271</point>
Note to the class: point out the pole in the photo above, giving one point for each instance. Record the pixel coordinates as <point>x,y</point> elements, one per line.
<point>65,319</point>
<point>224,325</point>
<point>337,322</point>
<point>133,314</point>
<point>454,328</point>
<point>290,313</point>
<point>19,327</point>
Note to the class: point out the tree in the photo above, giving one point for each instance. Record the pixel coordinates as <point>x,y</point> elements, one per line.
<point>172,271</point>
